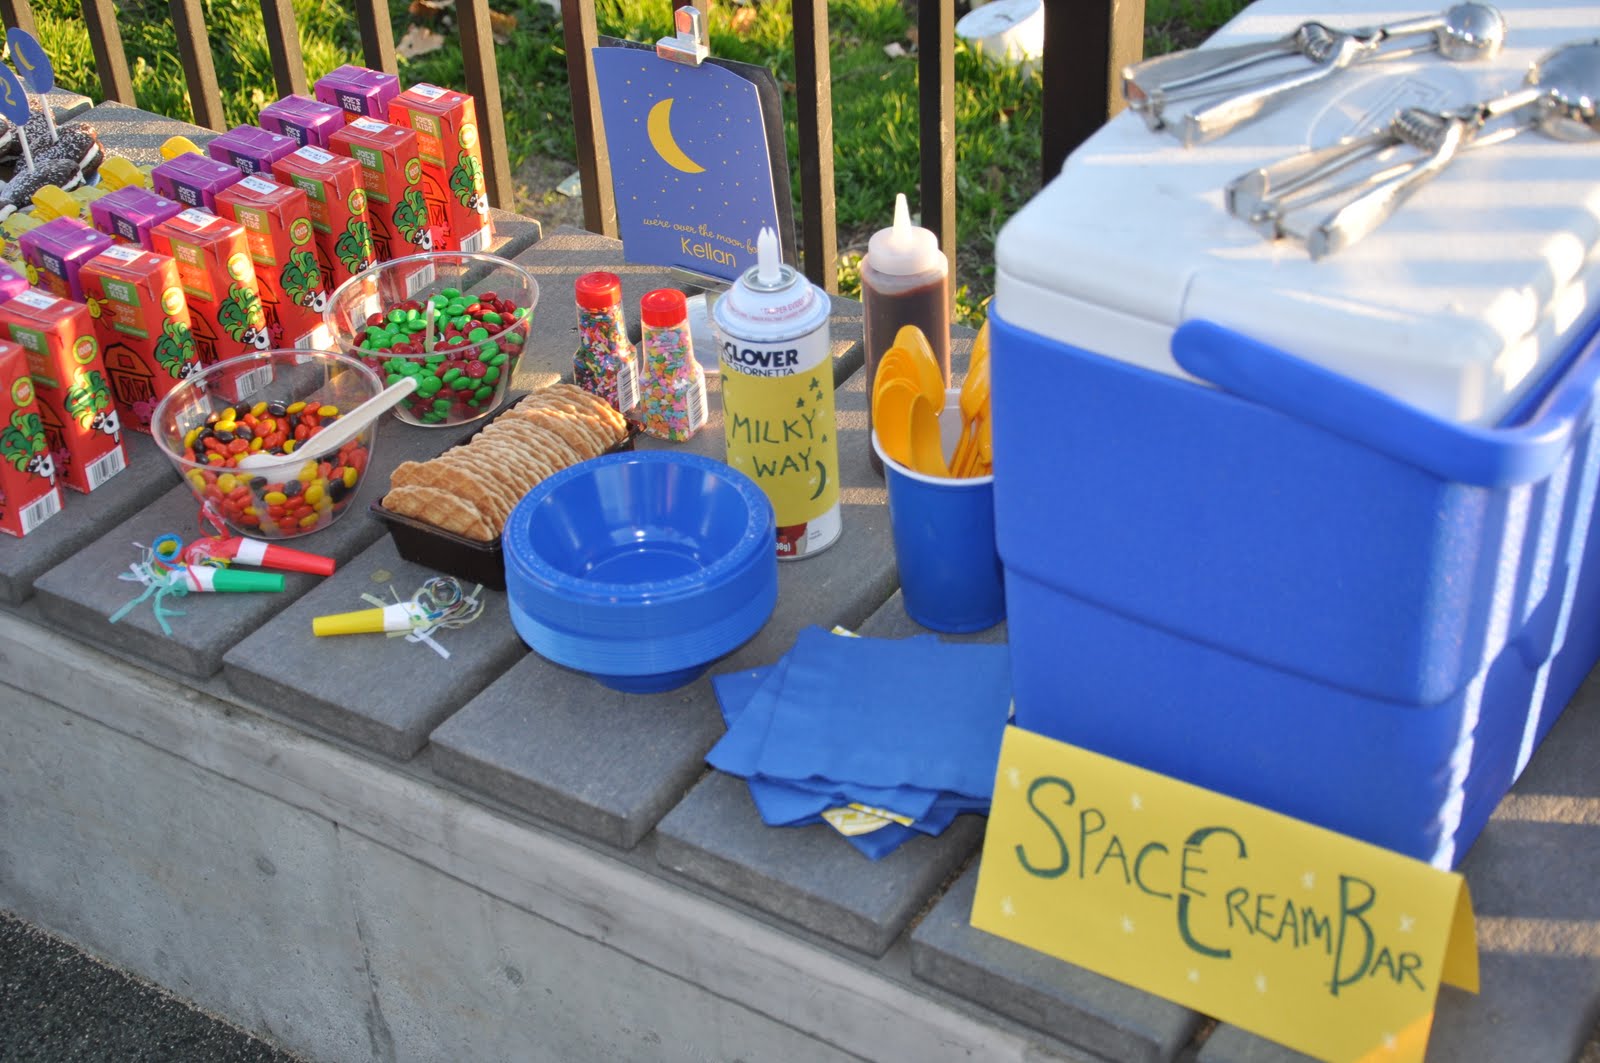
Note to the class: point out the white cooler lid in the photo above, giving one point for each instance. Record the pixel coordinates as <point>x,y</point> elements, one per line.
<point>1456,304</point>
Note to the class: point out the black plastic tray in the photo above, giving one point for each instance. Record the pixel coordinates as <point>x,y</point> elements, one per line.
<point>452,554</point>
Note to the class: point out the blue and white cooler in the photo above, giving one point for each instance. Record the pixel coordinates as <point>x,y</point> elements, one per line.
<point>1319,535</point>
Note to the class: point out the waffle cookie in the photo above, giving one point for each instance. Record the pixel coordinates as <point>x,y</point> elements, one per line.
<point>471,489</point>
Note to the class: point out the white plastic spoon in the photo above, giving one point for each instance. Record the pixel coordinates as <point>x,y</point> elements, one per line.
<point>336,435</point>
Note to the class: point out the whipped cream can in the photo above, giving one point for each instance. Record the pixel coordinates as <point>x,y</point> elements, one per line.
<point>777,397</point>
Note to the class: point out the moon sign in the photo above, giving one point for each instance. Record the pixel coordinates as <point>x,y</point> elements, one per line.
<point>661,139</point>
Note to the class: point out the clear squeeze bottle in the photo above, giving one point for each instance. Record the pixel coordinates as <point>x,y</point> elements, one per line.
<point>605,361</point>
<point>905,280</point>
<point>672,400</point>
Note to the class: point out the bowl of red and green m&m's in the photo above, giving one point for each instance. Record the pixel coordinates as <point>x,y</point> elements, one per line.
<point>454,320</point>
<point>247,436</point>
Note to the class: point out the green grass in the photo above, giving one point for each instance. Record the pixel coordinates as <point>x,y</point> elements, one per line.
<point>874,96</point>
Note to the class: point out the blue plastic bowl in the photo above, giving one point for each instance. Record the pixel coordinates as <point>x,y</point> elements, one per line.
<point>641,568</point>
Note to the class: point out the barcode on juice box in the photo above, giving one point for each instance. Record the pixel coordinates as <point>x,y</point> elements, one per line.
<point>38,512</point>
<point>250,382</point>
<point>105,467</point>
<point>478,241</point>
<point>419,280</point>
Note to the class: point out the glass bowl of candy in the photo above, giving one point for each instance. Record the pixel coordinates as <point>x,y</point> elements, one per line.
<point>243,435</point>
<point>455,320</point>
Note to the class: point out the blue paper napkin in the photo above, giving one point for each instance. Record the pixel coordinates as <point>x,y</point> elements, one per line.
<point>887,712</point>
<point>747,700</point>
<point>768,705</point>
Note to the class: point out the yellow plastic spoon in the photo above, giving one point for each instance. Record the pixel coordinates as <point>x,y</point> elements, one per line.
<point>984,463</point>
<point>892,398</point>
<point>927,444</point>
<point>900,363</point>
<point>974,408</point>
<point>913,339</point>
<point>930,374</point>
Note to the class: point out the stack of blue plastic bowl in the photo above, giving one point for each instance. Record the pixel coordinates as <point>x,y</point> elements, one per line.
<point>641,568</point>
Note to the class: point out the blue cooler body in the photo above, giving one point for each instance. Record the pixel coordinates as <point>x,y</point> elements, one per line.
<point>1320,536</point>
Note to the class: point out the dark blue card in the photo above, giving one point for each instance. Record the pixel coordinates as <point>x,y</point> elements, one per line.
<point>690,165</point>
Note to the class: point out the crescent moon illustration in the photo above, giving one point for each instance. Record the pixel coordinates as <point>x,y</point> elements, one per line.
<point>661,139</point>
<point>818,492</point>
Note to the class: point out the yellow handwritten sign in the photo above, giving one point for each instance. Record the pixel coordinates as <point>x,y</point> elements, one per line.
<point>1328,945</point>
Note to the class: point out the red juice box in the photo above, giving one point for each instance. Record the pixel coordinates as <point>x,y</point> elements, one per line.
<point>75,404</point>
<point>56,251</point>
<point>128,214</point>
<point>277,225</point>
<point>392,171</point>
<point>302,119</point>
<point>193,179</point>
<point>359,91</point>
<point>338,198</point>
<point>29,494</point>
<point>218,279</point>
<point>452,164</point>
<point>250,150</point>
<point>141,319</point>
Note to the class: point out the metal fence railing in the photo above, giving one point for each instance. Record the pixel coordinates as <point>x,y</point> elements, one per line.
<point>1086,44</point>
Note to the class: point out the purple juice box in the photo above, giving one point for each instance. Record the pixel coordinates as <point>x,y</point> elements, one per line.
<point>360,92</point>
<point>250,149</point>
<point>11,282</point>
<point>128,214</point>
<point>57,249</point>
<point>193,180</point>
<point>303,120</point>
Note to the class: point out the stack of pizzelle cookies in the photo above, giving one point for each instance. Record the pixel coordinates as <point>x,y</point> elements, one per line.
<point>471,489</point>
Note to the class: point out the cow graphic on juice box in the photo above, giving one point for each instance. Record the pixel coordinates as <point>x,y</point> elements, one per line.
<point>29,493</point>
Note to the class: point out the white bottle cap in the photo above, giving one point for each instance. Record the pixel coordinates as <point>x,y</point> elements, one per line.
<point>904,249</point>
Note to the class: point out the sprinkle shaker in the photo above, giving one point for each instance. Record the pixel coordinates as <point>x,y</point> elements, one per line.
<point>605,361</point>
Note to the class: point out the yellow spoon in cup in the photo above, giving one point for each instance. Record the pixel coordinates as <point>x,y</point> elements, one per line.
<point>892,398</point>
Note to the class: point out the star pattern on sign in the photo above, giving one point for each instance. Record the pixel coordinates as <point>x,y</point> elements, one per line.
<point>1014,777</point>
<point>1007,909</point>
<point>1194,975</point>
<point>1309,880</point>
<point>1407,923</point>
<point>1261,983</point>
<point>1127,925</point>
<point>1390,1042</point>
<point>1137,802</point>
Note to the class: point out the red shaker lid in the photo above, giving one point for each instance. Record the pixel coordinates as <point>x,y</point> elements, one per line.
<point>598,290</point>
<point>663,308</point>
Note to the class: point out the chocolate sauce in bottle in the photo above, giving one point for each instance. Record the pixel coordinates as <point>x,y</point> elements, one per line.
<point>905,280</point>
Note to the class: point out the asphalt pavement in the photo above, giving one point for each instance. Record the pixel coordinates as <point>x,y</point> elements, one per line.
<point>58,1004</point>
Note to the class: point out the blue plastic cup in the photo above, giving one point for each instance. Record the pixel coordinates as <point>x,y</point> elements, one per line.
<point>950,575</point>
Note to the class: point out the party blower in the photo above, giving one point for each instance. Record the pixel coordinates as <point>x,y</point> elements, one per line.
<point>401,616</point>
<point>240,550</point>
